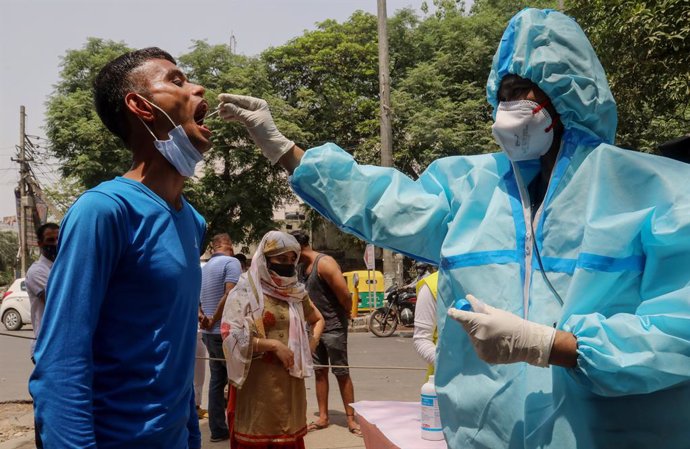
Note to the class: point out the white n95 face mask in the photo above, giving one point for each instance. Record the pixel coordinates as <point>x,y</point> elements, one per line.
<point>523,129</point>
<point>178,150</point>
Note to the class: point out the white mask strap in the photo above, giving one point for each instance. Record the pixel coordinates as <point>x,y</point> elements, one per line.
<point>155,106</point>
<point>147,128</point>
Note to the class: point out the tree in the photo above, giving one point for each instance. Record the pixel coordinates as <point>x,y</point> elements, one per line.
<point>330,75</point>
<point>86,149</point>
<point>645,49</point>
<point>9,247</point>
<point>62,194</point>
<point>440,106</point>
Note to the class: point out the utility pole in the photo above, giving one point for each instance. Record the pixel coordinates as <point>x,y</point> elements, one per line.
<point>384,88</point>
<point>233,43</point>
<point>389,271</point>
<point>23,197</point>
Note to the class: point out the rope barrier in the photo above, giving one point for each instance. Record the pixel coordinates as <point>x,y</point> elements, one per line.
<point>403,368</point>
<point>413,368</point>
<point>17,336</point>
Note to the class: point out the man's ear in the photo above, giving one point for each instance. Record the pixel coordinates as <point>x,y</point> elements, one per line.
<point>139,107</point>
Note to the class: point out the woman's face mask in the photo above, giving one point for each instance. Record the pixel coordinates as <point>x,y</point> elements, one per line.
<point>178,150</point>
<point>523,129</point>
<point>49,251</point>
<point>282,269</point>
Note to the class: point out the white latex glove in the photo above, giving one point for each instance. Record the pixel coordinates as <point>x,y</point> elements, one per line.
<point>255,115</point>
<point>502,337</point>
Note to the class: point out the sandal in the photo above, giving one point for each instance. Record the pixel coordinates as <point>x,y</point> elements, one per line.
<point>355,431</point>
<point>312,426</point>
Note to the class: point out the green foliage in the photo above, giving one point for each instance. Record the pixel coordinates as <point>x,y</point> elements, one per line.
<point>330,75</point>
<point>444,8</point>
<point>439,103</point>
<point>78,139</point>
<point>505,9</point>
<point>63,193</point>
<point>645,48</point>
<point>9,245</point>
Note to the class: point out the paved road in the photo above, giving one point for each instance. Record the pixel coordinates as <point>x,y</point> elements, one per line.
<point>370,384</point>
<point>15,364</point>
<point>378,384</point>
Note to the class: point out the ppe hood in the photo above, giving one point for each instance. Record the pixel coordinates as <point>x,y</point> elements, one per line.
<point>551,50</point>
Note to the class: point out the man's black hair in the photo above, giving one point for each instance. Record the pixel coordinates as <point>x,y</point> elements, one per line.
<point>301,237</point>
<point>42,230</point>
<point>241,257</point>
<point>114,81</point>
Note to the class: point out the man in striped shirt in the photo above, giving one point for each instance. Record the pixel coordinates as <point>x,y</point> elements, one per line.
<point>218,277</point>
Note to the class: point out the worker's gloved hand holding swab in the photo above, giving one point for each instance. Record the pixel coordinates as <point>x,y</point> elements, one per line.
<point>255,115</point>
<point>502,337</point>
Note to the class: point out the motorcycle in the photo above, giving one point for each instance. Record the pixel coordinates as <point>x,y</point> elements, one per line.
<point>399,309</point>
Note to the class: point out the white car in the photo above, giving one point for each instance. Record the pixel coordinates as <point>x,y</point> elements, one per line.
<point>16,308</point>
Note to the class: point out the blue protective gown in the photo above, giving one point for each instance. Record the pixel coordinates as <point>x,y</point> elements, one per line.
<point>613,233</point>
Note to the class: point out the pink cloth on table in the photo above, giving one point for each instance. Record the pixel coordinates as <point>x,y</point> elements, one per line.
<point>399,422</point>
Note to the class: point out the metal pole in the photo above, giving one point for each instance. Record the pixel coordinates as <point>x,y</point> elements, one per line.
<point>386,130</point>
<point>23,173</point>
<point>384,87</point>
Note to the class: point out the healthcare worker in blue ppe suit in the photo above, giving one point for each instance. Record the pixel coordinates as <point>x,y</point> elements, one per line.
<point>578,251</point>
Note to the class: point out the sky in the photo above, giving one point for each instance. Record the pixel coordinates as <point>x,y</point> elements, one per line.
<point>35,34</point>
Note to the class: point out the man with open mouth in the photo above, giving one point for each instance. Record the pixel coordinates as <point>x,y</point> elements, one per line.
<point>114,361</point>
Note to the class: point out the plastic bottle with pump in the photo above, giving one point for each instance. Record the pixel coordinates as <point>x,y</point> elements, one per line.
<point>431,419</point>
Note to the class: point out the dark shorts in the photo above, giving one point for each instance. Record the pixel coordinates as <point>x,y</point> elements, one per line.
<point>332,350</point>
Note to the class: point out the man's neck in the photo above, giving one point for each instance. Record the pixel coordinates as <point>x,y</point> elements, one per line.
<point>45,259</point>
<point>159,176</point>
<point>309,256</point>
<point>221,253</point>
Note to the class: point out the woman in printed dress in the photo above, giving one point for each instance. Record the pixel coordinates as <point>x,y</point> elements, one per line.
<point>268,349</point>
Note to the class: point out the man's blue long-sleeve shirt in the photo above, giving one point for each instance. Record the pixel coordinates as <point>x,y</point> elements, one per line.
<point>114,361</point>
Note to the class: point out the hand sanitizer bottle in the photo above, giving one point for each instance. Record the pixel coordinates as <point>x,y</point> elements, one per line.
<point>431,420</point>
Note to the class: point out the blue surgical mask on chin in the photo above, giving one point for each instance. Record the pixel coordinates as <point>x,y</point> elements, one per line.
<point>178,150</point>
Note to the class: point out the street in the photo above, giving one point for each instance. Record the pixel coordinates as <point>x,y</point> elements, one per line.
<point>364,350</point>
<point>16,364</point>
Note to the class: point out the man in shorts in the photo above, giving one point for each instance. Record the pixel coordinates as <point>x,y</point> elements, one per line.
<point>328,291</point>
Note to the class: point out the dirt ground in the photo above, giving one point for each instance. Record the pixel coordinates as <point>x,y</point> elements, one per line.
<point>10,424</point>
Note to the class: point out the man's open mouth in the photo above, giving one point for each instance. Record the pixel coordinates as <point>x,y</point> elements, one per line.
<point>200,112</point>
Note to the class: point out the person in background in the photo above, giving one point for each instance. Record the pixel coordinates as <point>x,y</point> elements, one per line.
<point>115,355</point>
<point>572,254</point>
<point>37,275</point>
<point>423,270</point>
<point>327,288</point>
<point>268,349</point>
<point>218,277</point>
<point>36,281</point>
<point>243,261</point>
<point>425,330</point>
